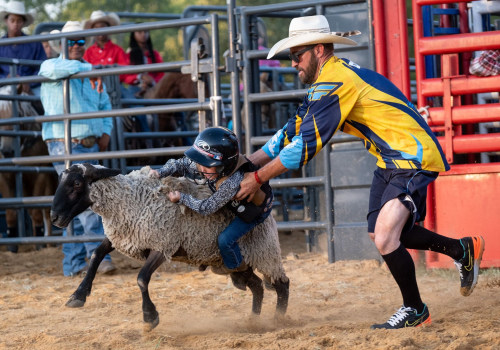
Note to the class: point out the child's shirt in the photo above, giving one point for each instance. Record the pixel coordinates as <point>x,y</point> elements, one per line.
<point>223,195</point>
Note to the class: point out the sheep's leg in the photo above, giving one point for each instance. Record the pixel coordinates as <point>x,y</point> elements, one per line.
<point>250,279</point>
<point>282,290</point>
<point>150,315</point>
<point>78,298</point>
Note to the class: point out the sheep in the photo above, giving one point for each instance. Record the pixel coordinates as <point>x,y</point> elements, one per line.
<point>140,222</point>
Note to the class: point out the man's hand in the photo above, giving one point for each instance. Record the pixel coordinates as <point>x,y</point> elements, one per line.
<point>100,87</point>
<point>248,187</point>
<point>103,142</point>
<point>174,196</point>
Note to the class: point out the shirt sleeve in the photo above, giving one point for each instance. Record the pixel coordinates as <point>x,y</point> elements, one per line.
<point>220,198</point>
<point>129,78</point>
<point>175,167</point>
<point>323,111</point>
<point>58,68</point>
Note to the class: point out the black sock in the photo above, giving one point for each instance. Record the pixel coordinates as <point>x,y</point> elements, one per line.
<point>423,239</point>
<point>402,269</point>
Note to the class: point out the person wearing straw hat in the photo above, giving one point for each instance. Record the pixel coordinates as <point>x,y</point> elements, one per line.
<point>104,51</point>
<point>343,96</point>
<point>87,136</point>
<point>16,18</point>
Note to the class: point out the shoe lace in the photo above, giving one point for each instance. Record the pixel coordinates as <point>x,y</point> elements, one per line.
<point>399,316</point>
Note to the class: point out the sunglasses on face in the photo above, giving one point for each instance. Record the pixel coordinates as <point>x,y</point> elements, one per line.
<point>296,56</point>
<point>80,42</point>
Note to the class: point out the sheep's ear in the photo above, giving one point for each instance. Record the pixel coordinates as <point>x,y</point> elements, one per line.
<point>97,172</point>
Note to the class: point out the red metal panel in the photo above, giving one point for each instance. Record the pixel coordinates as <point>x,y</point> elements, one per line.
<point>466,114</point>
<point>460,85</point>
<point>391,44</point>
<point>459,43</point>
<point>466,204</point>
<point>379,34</point>
<point>474,143</point>
<point>419,59</point>
<point>479,168</point>
<point>436,2</point>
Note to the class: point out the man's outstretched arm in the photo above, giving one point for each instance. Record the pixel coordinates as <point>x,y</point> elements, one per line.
<point>249,185</point>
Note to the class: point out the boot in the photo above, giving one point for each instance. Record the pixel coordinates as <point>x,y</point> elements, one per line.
<point>223,270</point>
<point>12,233</point>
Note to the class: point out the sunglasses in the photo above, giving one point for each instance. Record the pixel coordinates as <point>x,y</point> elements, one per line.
<point>296,56</point>
<point>80,42</point>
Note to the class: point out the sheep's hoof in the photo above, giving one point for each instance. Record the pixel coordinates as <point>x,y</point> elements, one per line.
<point>149,326</point>
<point>74,302</point>
<point>280,318</point>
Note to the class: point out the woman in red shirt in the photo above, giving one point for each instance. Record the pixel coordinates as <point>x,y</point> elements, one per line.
<point>141,52</point>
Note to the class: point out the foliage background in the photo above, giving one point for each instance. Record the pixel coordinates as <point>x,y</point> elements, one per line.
<point>167,41</point>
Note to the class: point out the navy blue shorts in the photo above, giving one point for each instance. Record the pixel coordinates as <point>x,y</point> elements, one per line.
<point>409,186</point>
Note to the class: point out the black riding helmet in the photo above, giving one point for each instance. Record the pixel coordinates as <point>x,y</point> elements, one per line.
<point>215,147</point>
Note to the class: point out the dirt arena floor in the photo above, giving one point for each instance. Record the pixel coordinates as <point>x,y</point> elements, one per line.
<point>331,307</point>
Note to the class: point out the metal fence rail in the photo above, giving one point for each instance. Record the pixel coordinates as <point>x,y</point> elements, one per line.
<point>242,57</point>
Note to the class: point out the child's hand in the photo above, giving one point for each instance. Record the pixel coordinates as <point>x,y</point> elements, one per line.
<point>174,196</point>
<point>154,174</point>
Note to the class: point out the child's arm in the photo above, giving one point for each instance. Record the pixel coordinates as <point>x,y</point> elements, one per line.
<point>174,167</point>
<point>221,197</point>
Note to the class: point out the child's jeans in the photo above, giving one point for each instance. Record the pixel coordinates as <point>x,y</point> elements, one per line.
<point>228,239</point>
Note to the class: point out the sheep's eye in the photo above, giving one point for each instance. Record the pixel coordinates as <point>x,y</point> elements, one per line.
<point>78,184</point>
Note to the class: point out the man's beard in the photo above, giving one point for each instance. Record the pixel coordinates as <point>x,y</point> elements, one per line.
<point>310,71</point>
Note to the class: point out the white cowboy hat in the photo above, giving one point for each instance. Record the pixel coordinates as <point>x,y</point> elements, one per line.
<point>69,26</point>
<point>110,18</point>
<point>311,30</point>
<point>17,8</point>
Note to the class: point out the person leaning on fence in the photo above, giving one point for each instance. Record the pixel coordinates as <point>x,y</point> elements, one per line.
<point>343,96</point>
<point>215,160</point>
<point>16,17</point>
<point>87,136</point>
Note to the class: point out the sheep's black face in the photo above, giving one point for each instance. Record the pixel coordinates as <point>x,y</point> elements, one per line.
<point>71,197</point>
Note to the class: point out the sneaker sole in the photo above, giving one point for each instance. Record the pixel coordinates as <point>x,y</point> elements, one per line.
<point>427,322</point>
<point>478,249</point>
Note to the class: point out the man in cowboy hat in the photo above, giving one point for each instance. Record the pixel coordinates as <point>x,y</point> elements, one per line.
<point>104,51</point>
<point>16,17</point>
<point>365,104</point>
<point>87,136</point>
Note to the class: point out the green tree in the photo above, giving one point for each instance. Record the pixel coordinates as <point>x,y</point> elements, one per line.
<point>169,42</point>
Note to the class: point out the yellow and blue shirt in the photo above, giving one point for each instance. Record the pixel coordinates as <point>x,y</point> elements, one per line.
<point>362,103</point>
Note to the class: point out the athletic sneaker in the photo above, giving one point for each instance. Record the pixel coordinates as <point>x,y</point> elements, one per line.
<point>406,317</point>
<point>468,266</point>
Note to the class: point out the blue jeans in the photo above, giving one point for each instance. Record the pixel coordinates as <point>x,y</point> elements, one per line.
<point>228,239</point>
<point>87,223</point>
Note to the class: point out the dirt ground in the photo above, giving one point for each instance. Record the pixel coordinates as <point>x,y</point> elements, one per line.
<point>331,307</point>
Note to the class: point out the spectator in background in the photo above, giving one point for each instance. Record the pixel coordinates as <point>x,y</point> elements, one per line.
<point>51,49</point>
<point>104,51</point>
<point>87,136</point>
<point>488,63</point>
<point>16,18</point>
<point>141,51</point>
